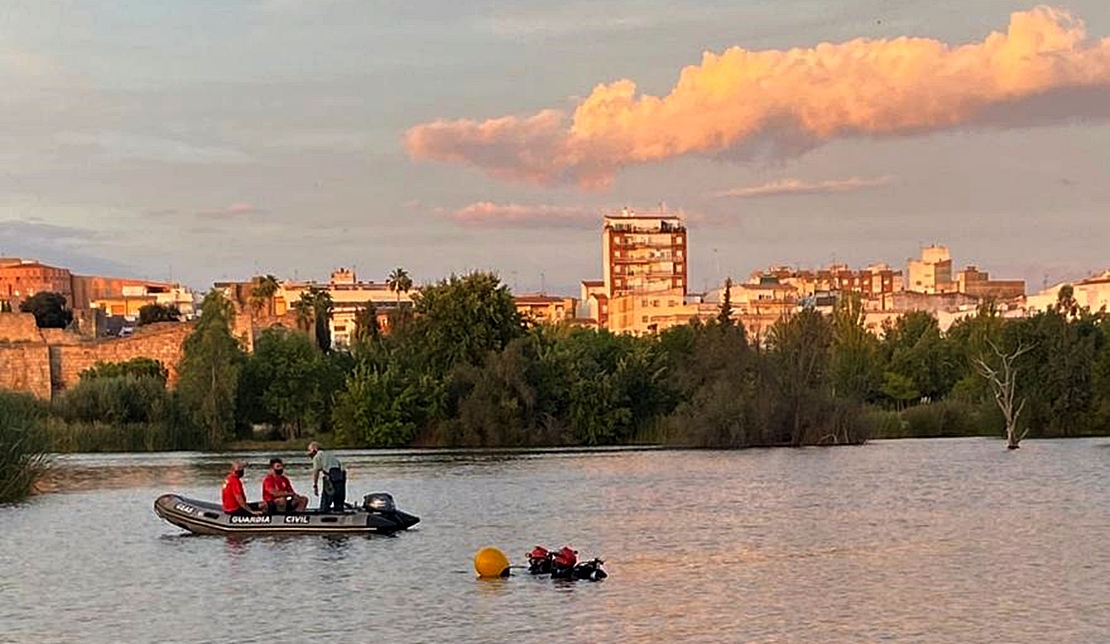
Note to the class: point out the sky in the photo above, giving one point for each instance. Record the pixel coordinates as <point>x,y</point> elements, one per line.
<point>215,140</point>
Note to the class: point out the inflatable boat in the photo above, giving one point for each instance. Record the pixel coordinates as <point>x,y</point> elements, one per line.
<point>377,515</point>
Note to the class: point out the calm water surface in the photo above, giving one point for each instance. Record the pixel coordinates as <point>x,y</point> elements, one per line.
<point>945,541</point>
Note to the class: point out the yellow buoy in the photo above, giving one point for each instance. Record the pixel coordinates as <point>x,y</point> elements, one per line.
<point>491,562</point>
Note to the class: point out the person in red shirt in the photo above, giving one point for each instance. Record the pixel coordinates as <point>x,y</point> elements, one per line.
<point>234,499</point>
<point>277,491</point>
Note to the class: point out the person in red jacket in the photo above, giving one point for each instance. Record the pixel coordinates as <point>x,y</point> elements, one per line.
<point>234,499</point>
<point>277,490</point>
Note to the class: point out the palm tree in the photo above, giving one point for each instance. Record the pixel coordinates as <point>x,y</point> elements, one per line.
<point>263,292</point>
<point>305,310</point>
<point>322,307</point>
<point>399,282</point>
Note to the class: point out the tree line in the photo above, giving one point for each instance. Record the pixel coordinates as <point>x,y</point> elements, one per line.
<point>462,368</point>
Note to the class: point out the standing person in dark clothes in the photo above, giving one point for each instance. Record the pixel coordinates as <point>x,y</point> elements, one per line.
<point>335,478</point>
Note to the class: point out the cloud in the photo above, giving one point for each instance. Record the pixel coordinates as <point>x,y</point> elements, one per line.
<point>57,245</point>
<point>512,214</point>
<point>747,105</point>
<point>238,209</point>
<point>784,187</point>
<point>38,230</point>
<point>125,146</point>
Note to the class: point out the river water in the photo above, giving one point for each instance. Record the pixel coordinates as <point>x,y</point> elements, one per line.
<point>939,541</point>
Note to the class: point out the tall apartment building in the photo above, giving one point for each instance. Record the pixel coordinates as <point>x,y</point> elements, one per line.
<point>932,273</point>
<point>645,273</point>
<point>644,253</point>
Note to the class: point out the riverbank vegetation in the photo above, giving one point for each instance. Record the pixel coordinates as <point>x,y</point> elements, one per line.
<point>461,368</point>
<point>22,451</point>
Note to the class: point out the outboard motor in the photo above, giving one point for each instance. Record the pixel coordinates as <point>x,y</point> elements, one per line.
<point>378,502</point>
<point>563,562</point>
<point>539,561</point>
<point>590,570</point>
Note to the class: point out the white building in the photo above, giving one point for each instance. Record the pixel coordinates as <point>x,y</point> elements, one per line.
<point>1092,293</point>
<point>348,296</point>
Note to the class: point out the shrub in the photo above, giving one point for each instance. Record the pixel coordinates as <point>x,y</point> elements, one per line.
<point>136,367</point>
<point>115,400</point>
<point>22,458</point>
<point>947,418</point>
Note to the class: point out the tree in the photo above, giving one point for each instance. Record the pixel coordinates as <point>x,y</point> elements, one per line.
<point>914,347</point>
<point>210,367</point>
<point>49,310</point>
<point>717,382</point>
<point>263,293</point>
<point>367,328</point>
<point>899,388</point>
<point>724,311</point>
<point>1066,304</point>
<point>1003,382</point>
<point>461,319</point>
<point>322,307</point>
<point>313,309</point>
<point>153,313</point>
<point>303,308</point>
<point>399,282</point>
<point>855,367</point>
<point>800,347</point>
<point>383,407</point>
<point>285,379</point>
<point>968,337</point>
<point>1059,370</point>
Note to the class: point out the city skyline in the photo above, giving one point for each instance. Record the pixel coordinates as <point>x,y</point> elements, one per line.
<point>292,137</point>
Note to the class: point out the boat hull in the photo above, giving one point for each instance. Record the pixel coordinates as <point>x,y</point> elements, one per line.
<point>202,517</point>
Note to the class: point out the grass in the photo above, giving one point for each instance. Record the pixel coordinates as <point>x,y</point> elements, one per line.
<point>22,452</point>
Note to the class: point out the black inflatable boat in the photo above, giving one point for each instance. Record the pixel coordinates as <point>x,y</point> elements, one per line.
<point>377,515</point>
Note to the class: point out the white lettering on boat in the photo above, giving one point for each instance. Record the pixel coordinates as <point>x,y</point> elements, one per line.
<point>185,508</point>
<point>261,519</point>
<point>293,519</point>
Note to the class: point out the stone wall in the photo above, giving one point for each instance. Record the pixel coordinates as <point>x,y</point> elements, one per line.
<point>19,327</point>
<point>248,325</point>
<point>162,342</point>
<point>44,361</point>
<point>25,366</point>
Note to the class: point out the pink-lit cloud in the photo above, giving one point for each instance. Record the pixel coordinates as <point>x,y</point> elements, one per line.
<point>788,187</point>
<point>237,209</point>
<point>513,214</point>
<point>781,103</point>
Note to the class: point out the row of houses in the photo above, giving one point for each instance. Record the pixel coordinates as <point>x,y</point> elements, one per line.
<point>644,288</point>
<point>349,295</point>
<point>105,305</point>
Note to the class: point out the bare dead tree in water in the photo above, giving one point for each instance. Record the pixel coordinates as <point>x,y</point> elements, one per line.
<point>1003,382</point>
